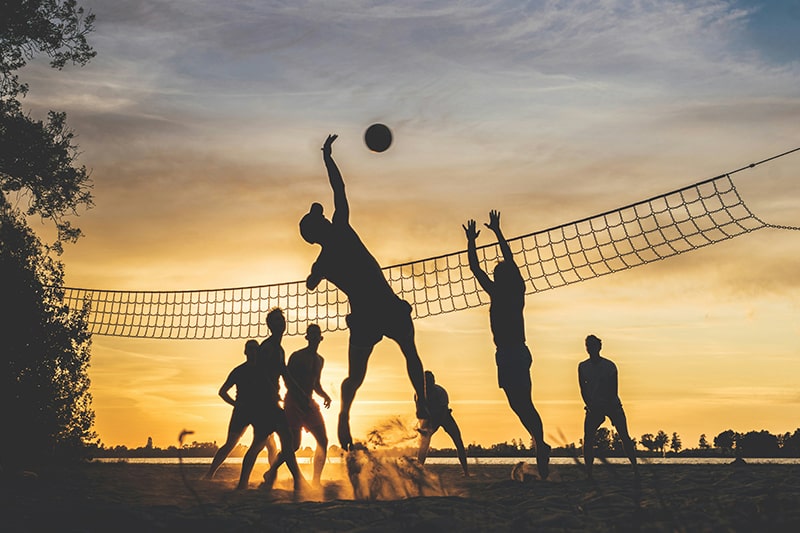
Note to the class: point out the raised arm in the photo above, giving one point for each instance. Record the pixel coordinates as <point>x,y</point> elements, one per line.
<point>472,255</point>
<point>341,209</point>
<point>494,225</point>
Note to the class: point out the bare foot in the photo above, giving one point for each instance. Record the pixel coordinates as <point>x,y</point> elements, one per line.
<point>345,440</point>
<point>543,460</point>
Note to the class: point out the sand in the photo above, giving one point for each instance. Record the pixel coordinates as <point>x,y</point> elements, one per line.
<point>137,497</point>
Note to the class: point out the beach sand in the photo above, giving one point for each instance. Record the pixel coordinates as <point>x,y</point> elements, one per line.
<point>137,497</point>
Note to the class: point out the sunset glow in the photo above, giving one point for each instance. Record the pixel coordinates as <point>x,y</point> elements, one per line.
<point>202,124</point>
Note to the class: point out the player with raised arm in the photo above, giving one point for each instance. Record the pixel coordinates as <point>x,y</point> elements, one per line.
<point>513,358</point>
<point>375,310</point>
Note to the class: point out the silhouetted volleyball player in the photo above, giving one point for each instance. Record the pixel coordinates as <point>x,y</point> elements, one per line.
<point>375,310</point>
<point>302,378</point>
<point>513,358</point>
<point>440,416</point>
<point>598,380</point>
<point>248,405</point>
<point>271,364</point>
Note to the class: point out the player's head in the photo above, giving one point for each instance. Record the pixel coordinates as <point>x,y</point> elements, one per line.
<point>314,227</point>
<point>276,322</point>
<point>251,349</point>
<point>593,344</point>
<point>313,334</point>
<point>503,273</point>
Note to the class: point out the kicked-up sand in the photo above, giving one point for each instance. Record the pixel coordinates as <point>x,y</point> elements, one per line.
<point>138,497</point>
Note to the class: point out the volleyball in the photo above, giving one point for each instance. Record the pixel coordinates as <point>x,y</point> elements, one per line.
<point>378,137</point>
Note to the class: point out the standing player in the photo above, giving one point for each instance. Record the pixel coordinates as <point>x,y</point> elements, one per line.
<point>598,380</point>
<point>248,405</point>
<point>375,310</point>
<point>513,358</point>
<point>441,416</point>
<point>302,380</point>
<point>271,366</point>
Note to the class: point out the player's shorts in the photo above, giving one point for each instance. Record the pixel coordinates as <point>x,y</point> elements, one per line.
<point>615,413</point>
<point>369,326</point>
<point>241,418</point>
<point>269,420</point>
<point>439,420</point>
<point>301,415</point>
<point>513,366</point>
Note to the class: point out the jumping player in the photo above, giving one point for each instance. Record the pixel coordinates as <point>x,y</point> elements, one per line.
<point>375,310</point>
<point>513,358</point>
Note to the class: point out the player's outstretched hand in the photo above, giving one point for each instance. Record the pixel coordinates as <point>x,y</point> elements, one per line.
<point>471,230</point>
<point>494,221</point>
<point>327,147</point>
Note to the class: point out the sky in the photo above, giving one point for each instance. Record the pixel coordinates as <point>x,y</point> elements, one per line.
<point>201,122</point>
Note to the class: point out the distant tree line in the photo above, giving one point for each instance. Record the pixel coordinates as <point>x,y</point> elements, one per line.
<point>607,443</point>
<point>193,449</point>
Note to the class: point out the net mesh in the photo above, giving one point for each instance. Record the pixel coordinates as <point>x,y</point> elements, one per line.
<point>673,223</point>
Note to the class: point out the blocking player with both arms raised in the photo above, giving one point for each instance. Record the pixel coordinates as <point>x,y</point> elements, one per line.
<point>513,358</point>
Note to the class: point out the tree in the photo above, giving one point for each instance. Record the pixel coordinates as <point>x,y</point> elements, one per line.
<point>602,441</point>
<point>46,404</point>
<point>660,441</point>
<point>758,444</point>
<point>44,385</point>
<point>726,440</point>
<point>37,159</point>
<point>703,442</point>
<point>790,444</point>
<point>648,441</point>
<point>675,444</point>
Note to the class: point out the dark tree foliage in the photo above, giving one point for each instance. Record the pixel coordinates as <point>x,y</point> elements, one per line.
<point>602,441</point>
<point>726,440</point>
<point>44,352</point>
<point>55,28</point>
<point>37,158</point>
<point>661,439</point>
<point>46,404</point>
<point>648,441</point>
<point>758,444</point>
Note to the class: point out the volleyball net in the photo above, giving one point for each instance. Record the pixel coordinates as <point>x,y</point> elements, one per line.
<point>673,223</point>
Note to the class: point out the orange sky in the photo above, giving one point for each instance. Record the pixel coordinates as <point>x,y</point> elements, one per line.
<point>202,129</point>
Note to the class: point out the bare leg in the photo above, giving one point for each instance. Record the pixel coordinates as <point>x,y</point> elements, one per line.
<point>277,460</point>
<point>590,425</point>
<point>321,452</point>
<point>272,448</point>
<point>522,405</point>
<point>627,443</point>
<point>234,434</point>
<point>288,456</point>
<point>357,369</point>
<point>453,430</point>
<point>425,434</point>
<point>415,374</point>
<point>249,460</point>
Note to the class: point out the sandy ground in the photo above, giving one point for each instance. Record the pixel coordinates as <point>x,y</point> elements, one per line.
<point>135,497</point>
